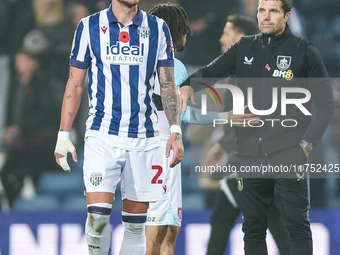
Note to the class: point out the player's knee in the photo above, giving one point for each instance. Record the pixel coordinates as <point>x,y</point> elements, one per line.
<point>161,233</point>
<point>155,235</point>
<point>171,234</point>
<point>98,222</point>
<point>98,217</point>
<point>134,223</point>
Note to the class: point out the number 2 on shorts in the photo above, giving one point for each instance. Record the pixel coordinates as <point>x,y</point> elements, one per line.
<point>155,178</point>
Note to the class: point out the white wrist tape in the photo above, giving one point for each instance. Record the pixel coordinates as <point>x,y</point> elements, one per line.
<point>64,146</point>
<point>63,135</point>
<point>175,129</point>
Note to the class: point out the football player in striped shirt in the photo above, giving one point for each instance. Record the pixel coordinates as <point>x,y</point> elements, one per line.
<point>122,48</point>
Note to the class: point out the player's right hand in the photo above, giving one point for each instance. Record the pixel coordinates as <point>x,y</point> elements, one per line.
<point>64,146</point>
<point>175,143</point>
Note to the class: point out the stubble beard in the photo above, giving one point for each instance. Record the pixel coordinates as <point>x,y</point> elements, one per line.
<point>129,3</point>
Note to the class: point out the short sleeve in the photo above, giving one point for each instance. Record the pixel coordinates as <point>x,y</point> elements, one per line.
<point>166,49</point>
<point>80,53</point>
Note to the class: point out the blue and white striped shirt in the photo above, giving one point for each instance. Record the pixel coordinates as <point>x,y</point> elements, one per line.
<point>122,62</point>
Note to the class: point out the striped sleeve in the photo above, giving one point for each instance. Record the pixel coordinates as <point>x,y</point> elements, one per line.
<point>80,53</point>
<point>166,49</point>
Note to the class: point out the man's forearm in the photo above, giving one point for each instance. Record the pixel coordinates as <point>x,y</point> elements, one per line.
<point>70,108</point>
<point>72,98</point>
<point>169,95</point>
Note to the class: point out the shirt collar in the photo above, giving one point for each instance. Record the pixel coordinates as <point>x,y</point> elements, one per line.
<point>137,20</point>
<point>278,38</point>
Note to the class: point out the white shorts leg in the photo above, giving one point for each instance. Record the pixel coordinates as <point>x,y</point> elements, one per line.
<point>169,211</point>
<point>143,177</point>
<point>102,165</point>
<point>140,172</point>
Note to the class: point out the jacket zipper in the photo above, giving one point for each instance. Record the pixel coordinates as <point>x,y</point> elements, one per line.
<point>267,55</point>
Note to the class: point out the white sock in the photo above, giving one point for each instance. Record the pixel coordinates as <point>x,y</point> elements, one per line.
<point>97,228</point>
<point>134,240</point>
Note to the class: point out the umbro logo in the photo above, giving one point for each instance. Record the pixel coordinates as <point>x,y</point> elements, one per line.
<point>248,61</point>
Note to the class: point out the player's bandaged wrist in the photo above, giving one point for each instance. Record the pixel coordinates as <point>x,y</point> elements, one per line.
<point>175,129</point>
<point>63,135</point>
<point>64,144</point>
<point>223,115</point>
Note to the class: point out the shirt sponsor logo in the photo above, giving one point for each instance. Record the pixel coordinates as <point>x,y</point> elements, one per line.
<point>288,75</point>
<point>121,53</point>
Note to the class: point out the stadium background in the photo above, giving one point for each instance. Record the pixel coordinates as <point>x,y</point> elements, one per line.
<point>48,218</point>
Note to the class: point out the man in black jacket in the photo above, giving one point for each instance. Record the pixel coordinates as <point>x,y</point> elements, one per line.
<point>276,61</point>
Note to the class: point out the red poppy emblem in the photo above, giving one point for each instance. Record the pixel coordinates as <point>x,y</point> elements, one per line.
<point>124,37</point>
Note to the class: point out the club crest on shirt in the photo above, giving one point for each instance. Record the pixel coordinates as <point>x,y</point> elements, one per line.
<point>144,32</point>
<point>96,178</point>
<point>283,62</point>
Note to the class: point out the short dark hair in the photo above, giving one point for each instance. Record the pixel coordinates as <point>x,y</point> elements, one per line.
<point>287,5</point>
<point>242,24</point>
<point>177,20</point>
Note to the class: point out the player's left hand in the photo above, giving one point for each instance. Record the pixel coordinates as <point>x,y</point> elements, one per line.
<point>175,143</point>
<point>64,146</point>
<point>186,93</point>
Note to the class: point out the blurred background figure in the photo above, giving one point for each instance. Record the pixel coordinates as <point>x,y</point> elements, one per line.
<point>16,20</point>
<point>51,20</point>
<point>32,120</point>
<point>207,19</point>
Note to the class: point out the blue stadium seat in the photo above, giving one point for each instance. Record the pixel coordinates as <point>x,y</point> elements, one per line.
<point>40,202</point>
<point>193,201</point>
<point>60,183</point>
<point>74,203</point>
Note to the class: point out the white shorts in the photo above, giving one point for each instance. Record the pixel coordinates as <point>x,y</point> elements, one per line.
<point>138,171</point>
<point>168,211</point>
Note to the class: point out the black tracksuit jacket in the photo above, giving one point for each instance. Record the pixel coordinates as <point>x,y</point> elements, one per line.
<point>263,62</point>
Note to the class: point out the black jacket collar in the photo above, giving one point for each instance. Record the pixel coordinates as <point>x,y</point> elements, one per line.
<point>276,39</point>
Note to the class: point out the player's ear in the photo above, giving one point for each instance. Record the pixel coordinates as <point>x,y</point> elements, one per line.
<point>287,16</point>
<point>239,36</point>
